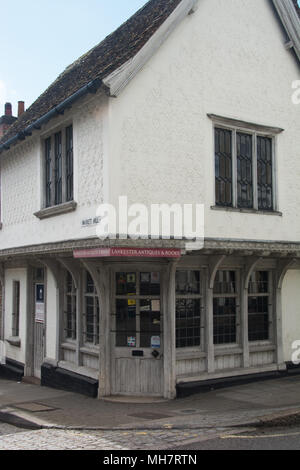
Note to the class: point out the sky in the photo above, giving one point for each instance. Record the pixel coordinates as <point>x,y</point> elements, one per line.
<point>40,38</point>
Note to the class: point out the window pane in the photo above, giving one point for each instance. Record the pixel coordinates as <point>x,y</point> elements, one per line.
<point>244,171</point>
<point>125,322</point>
<point>69,163</point>
<point>58,168</point>
<point>125,283</point>
<point>149,321</point>
<point>259,282</point>
<point>188,316</point>
<point>150,283</point>
<point>223,167</point>
<point>224,320</point>
<point>258,318</point>
<point>48,176</point>
<point>264,173</point>
<point>225,282</point>
<point>188,282</point>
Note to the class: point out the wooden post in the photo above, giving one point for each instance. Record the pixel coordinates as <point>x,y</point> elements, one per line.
<point>170,330</point>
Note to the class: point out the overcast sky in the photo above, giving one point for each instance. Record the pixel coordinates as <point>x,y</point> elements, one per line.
<point>40,38</point>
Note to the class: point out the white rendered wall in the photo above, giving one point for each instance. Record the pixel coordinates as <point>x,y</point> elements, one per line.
<point>22,180</point>
<point>290,312</point>
<point>11,275</point>
<point>229,59</point>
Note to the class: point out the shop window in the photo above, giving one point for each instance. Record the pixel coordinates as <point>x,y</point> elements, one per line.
<point>225,307</point>
<point>259,306</point>
<point>189,326</point>
<point>16,309</point>
<point>138,309</point>
<point>91,312</point>
<point>70,308</point>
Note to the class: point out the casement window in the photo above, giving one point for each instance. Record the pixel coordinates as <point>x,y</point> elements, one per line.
<point>16,308</point>
<point>189,318</point>
<point>91,312</point>
<point>58,167</point>
<point>244,169</point>
<point>70,308</point>
<point>260,306</point>
<point>225,303</point>
<point>138,309</point>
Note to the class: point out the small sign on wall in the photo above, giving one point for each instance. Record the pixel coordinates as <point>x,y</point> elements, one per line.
<point>40,303</point>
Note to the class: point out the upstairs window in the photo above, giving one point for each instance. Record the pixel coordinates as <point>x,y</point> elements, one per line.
<point>244,169</point>
<point>58,164</point>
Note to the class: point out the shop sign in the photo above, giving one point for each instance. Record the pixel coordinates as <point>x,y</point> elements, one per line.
<point>128,253</point>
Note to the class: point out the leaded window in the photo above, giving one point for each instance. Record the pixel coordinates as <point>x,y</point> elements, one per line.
<point>16,309</point>
<point>223,164</point>
<point>259,306</point>
<point>225,307</point>
<point>70,308</point>
<point>138,318</point>
<point>264,173</point>
<point>189,318</point>
<point>58,168</point>
<point>91,312</point>
<point>244,170</point>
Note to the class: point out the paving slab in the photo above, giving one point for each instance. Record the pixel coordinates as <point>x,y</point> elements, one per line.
<point>238,405</point>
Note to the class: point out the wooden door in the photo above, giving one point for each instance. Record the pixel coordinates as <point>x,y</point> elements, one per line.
<point>137,346</point>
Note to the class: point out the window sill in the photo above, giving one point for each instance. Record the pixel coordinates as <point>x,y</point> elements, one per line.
<point>246,211</point>
<point>56,210</point>
<point>14,341</point>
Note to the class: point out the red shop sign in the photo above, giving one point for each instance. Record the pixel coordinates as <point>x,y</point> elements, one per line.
<point>128,253</point>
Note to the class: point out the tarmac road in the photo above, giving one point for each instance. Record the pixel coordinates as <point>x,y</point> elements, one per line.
<point>287,438</point>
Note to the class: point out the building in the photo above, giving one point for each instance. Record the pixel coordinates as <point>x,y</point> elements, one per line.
<point>187,102</point>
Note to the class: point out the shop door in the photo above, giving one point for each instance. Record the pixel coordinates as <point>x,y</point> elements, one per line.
<point>39,326</point>
<point>137,346</point>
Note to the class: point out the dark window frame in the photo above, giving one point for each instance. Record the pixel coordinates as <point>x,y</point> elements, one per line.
<point>58,161</point>
<point>16,306</point>
<point>258,204</point>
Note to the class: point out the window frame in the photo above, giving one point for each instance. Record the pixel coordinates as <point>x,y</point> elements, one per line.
<point>137,297</point>
<point>49,173</point>
<point>255,133</point>
<point>96,314</point>
<point>72,295</point>
<point>16,308</point>
<point>271,309</point>
<point>202,314</point>
<point>238,312</point>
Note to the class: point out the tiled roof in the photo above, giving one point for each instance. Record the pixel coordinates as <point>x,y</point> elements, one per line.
<point>100,61</point>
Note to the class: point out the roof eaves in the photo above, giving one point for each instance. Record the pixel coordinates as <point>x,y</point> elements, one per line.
<point>91,87</point>
<point>289,17</point>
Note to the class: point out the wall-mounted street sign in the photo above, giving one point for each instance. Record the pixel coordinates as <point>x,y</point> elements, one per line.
<point>128,253</point>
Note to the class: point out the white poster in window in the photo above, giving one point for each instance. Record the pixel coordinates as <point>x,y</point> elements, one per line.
<point>155,342</point>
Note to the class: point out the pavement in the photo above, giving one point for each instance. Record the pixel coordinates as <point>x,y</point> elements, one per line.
<point>44,418</point>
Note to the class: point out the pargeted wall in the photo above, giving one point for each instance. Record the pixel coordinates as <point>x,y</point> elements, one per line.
<point>229,59</point>
<point>21,176</point>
